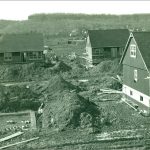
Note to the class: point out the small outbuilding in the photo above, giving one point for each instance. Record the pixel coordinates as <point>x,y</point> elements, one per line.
<point>105,44</point>
<point>21,48</point>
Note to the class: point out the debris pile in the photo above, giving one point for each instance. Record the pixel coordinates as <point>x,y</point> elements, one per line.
<point>19,72</point>
<point>64,108</point>
<point>107,66</point>
<point>57,85</point>
<point>60,67</point>
<point>30,72</point>
<point>104,75</point>
<point>53,86</point>
<point>18,97</point>
<point>69,110</point>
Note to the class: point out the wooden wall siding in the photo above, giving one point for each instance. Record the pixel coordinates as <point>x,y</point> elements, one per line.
<point>114,52</point>
<point>105,54</point>
<point>142,85</point>
<point>16,59</point>
<point>110,52</point>
<point>135,62</point>
<point>136,95</point>
<point>140,105</point>
<point>121,49</point>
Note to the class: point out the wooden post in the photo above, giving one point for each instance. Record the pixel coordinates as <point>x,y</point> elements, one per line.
<point>11,136</point>
<point>7,146</point>
<point>33,120</point>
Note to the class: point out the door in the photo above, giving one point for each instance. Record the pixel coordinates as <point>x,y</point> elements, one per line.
<point>107,52</point>
<point>24,57</point>
<point>113,52</point>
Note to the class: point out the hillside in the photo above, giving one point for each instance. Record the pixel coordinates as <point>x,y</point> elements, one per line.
<point>56,28</point>
<point>63,24</point>
<point>6,23</point>
<point>77,111</point>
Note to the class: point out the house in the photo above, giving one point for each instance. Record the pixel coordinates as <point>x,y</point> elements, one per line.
<point>136,70</point>
<point>105,44</point>
<point>21,48</point>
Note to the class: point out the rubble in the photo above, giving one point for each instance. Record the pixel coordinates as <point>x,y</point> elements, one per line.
<point>57,84</point>
<point>31,72</point>
<point>69,110</point>
<point>18,97</point>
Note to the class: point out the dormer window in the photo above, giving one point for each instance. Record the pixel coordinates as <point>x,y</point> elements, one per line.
<point>133,50</point>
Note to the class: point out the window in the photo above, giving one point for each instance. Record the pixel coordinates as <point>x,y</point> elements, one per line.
<point>35,55</point>
<point>32,55</point>
<point>101,52</point>
<point>141,98</point>
<point>95,52</point>
<point>7,56</point>
<point>133,50</point>
<point>40,55</point>
<point>135,76</point>
<point>131,93</point>
<point>1,54</point>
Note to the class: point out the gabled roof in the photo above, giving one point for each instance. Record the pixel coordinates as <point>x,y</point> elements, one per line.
<point>21,42</point>
<point>143,42</point>
<point>108,38</point>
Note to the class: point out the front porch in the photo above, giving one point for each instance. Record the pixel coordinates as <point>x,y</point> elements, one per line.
<point>105,53</point>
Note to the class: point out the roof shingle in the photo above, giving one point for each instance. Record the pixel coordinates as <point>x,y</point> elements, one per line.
<point>108,38</point>
<point>21,42</point>
<point>143,41</point>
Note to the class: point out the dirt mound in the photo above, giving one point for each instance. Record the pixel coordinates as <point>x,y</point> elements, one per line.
<point>57,84</point>
<point>60,67</point>
<point>52,87</point>
<point>30,72</point>
<point>103,75</point>
<point>19,72</point>
<point>69,110</point>
<point>109,66</point>
<point>29,95</point>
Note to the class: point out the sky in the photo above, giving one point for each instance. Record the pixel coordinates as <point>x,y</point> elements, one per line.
<point>20,10</point>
